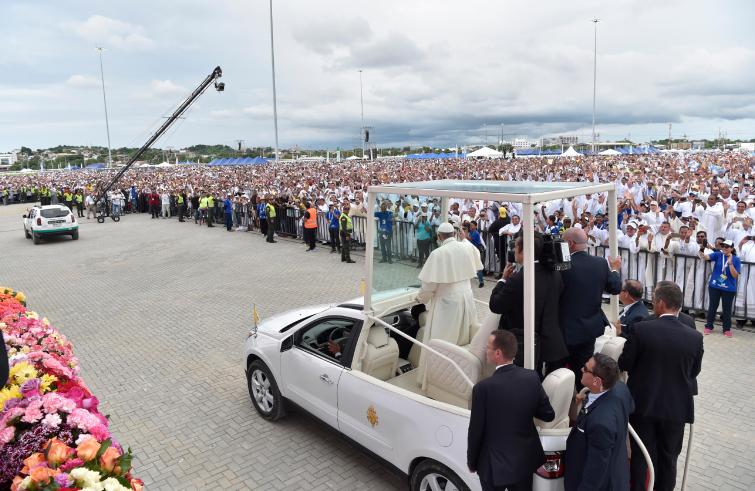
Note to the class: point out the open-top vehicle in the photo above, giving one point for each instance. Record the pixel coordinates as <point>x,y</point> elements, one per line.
<point>354,365</point>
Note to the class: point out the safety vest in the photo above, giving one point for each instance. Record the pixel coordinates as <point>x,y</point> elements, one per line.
<point>180,199</point>
<point>270,209</point>
<point>311,222</point>
<point>345,223</point>
<point>79,198</point>
<point>68,196</point>
<point>210,202</point>
<point>202,203</point>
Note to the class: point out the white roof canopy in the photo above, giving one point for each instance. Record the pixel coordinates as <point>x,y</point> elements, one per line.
<point>610,151</point>
<point>485,152</point>
<point>571,153</point>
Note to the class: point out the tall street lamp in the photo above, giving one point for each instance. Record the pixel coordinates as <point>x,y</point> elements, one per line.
<point>361,101</point>
<point>272,62</point>
<point>594,78</point>
<point>104,100</point>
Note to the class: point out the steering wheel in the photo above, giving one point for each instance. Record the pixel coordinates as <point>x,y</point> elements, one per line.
<point>333,337</point>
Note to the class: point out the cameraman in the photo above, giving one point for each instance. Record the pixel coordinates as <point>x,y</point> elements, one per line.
<point>507,299</point>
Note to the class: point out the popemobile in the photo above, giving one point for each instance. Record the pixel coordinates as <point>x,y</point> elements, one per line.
<point>356,365</point>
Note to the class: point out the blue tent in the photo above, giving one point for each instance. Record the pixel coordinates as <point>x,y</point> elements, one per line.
<point>238,161</point>
<point>450,155</point>
<point>98,165</point>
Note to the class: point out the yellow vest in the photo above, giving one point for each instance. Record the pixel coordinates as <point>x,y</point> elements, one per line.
<point>345,220</point>
<point>210,202</point>
<point>270,209</point>
<point>67,196</point>
<point>180,199</point>
<point>202,203</point>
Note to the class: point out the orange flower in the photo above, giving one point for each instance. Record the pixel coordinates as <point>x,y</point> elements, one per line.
<point>109,458</point>
<point>41,474</point>
<point>57,452</point>
<point>87,450</point>
<point>137,484</point>
<point>16,481</point>
<point>32,461</point>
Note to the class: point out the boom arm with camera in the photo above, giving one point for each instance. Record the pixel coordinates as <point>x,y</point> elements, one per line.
<point>219,86</point>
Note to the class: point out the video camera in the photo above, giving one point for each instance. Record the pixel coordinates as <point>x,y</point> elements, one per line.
<point>554,254</point>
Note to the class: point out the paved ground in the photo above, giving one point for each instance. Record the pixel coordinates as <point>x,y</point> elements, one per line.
<point>158,312</point>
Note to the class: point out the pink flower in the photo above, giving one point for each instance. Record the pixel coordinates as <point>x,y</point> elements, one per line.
<point>54,402</point>
<point>71,464</point>
<point>82,419</point>
<point>100,432</point>
<point>32,414</point>
<point>30,388</point>
<point>6,435</point>
<point>52,420</point>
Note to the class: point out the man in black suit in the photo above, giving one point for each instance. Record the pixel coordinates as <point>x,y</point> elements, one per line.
<point>596,450</point>
<point>634,308</point>
<point>507,299</point>
<point>581,315</point>
<point>503,446</point>
<point>663,358</point>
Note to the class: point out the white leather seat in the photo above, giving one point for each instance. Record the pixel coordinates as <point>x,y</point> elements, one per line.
<point>445,383</point>
<point>559,385</point>
<point>381,354</point>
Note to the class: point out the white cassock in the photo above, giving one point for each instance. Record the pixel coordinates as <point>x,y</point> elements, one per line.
<point>685,258</point>
<point>746,282</point>
<point>447,292</point>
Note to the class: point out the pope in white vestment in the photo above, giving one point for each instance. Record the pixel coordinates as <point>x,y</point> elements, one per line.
<point>447,291</point>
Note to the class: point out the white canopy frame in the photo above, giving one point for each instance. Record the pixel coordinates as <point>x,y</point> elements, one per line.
<point>525,192</point>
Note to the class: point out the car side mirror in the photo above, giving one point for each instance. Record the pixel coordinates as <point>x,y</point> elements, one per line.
<point>24,216</point>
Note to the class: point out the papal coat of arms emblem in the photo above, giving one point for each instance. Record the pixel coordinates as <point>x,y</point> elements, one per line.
<point>372,416</point>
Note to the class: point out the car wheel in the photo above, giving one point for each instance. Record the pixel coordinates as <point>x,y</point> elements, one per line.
<point>36,238</point>
<point>27,234</point>
<point>431,475</point>
<point>264,392</point>
<point>75,235</point>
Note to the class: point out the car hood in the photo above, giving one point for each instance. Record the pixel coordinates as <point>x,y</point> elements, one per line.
<point>272,325</point>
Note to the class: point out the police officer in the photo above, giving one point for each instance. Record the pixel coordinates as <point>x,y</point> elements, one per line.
<point>346,229</point>
<point>181,206</point>
<point>79,200</point>
<point>210,209</point>
<point>271,217</point>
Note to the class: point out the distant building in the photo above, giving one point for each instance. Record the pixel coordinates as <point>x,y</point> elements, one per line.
<point>749,146</point>
<point>7,160</point>
<point>698,145</point>
<point>519,143</point>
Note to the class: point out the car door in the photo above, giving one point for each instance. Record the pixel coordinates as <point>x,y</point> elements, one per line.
<point>311,372</point>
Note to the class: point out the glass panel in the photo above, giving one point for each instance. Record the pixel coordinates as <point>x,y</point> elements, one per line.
<point>402,239</point>
<point>55,212</point>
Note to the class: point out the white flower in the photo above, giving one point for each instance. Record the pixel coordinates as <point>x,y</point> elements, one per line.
<point>97,487</point>
<point>52,420</point>
<point>82,437</point>
<point>86,478</point>
<point>112,484</point>
<point>25,483</point>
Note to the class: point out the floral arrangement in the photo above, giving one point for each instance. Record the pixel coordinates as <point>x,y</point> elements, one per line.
<point>52,435</point>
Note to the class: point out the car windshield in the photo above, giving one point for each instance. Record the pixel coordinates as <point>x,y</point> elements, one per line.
<point>399,227</point>
<point>55,213</point>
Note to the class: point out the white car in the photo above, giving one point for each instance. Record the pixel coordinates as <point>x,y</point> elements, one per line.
<point>358,374</point>
<point>45,221</point>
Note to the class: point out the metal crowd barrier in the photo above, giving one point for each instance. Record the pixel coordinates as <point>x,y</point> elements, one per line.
<point>691,273</point>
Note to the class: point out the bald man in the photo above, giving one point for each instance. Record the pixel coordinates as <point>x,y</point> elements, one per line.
<point>580,307</point>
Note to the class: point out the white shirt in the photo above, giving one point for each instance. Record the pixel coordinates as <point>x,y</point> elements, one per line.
<point>510,229</point>
<point>504,365</point>
<point>593,397</point>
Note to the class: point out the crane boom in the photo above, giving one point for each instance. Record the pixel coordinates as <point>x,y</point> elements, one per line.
<point>219,86</point>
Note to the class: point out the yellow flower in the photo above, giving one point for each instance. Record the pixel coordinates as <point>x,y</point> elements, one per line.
<point>31,315</point>
<point>46,381</point>
<point>20,297</point>
<point>21,372</point>
<point>8,393</point>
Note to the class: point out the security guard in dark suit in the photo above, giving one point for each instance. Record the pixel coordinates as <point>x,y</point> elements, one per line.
<point>634,308</point>
<point>663,357</point>
<point>596,450</point>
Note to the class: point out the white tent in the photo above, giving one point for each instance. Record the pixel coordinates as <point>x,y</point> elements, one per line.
<point>485,152</point>
<point>571,153</point>
<point>353,157</point>
<point>164,164</point>
<point>610,151</point>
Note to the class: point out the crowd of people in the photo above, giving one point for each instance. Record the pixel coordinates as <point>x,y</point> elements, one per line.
<point>670,208</point>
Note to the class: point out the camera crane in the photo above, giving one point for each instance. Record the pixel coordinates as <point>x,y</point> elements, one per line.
<point>219,86</point>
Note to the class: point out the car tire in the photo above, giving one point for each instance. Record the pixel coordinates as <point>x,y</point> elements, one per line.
<point>263,390</point>
<point>27,234</point>
<point>36,238</point>
<point>430,474</point>
<point>75,235</point>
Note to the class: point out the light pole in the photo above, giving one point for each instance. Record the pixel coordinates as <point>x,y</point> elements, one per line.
<point>104,100</point>
<point>361,101</point>
<point>594,78</point>
<point>272,62</point>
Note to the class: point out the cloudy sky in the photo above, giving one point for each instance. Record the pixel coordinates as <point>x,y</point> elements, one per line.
<point>434,71</point>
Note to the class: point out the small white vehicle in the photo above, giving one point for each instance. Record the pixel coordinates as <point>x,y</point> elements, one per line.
<point>354,365</point>
<point>45,221</point>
